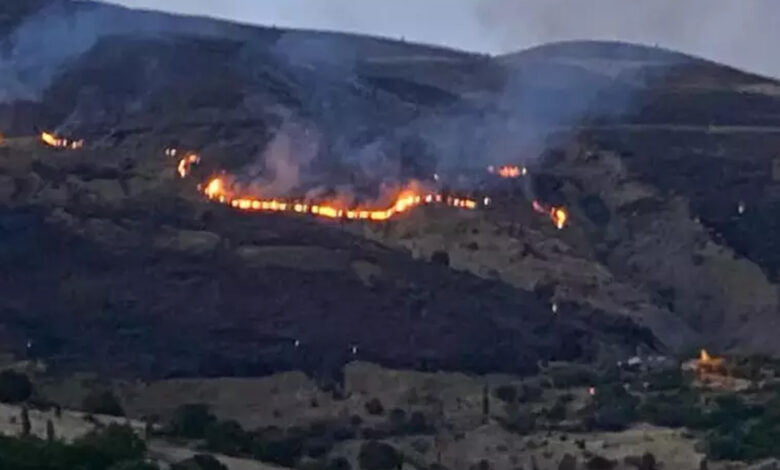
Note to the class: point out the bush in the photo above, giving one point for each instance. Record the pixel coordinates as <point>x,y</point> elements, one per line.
<point>275,446</point>
<point>440,257</point>
<point>339,463</point>
<point>115,448</point>
<point>615,408</point>
<point>103,403</point>
<point>191,421</point>
<point>572,377</point>
<point>670,379</point>
<point>227,437</point>
<point>397,419</point>
<point>520,421</point>
<point>379,456</point>
<point>113,444</point>
<point>134,465</point>
<point>598,462</point>
<point>506,393</point>
<point>14,387</point>
<point>558,412</point>
<point>199,462</point>
<point>674,411</point>
<point>374,407</point>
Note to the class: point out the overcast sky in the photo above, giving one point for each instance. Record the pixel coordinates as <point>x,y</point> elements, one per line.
<point>742,33</point>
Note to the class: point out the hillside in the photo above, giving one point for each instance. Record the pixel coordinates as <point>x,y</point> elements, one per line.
<point>651,151</point>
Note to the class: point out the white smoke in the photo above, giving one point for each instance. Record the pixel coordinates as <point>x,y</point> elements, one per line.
<point>282,166</point>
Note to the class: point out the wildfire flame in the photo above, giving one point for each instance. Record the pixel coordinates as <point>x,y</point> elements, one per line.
<point>216,190</point>
<point>558,215</point>
<point>61,143</point>
<point>186,163</point>
<point>508,171</point>
<point>704,356</point>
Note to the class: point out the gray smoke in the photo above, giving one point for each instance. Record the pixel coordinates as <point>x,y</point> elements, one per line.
<point>284,162</point>
<point>38,48</point>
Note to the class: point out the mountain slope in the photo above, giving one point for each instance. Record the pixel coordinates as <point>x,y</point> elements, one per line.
<point>629,139</point>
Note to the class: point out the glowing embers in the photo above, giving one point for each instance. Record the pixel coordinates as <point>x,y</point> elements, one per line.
<point>216,190</point>
<point>185,164</point>
<point>558,215</point>
<point>508,171</point>
<point>61,143</point>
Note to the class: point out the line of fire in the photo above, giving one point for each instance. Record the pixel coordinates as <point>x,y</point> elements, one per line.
<point>216,189</point>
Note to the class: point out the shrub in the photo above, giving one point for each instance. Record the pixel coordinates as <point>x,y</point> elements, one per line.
<point>134,465</point>
<point>200,462</point>
<point>339,463</point>
<point>379,456</point>
<point>440,257</point>
<point>615,408</point>
<point>374,407</point>
<point>103,403</point>
<point>14,387</point>
<point>113,444</point>
<point>191,420</point>
<point>598,462</point>
<point>227,437</point>
<point>506,393</point>
<point>397,419</point>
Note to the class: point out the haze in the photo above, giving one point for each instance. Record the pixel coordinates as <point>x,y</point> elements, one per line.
<point>737,33</point>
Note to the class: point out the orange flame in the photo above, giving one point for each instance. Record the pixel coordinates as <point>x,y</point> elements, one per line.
<point>62,143</point>
<point>558,215</point>
<point>186,163</point>
<point>216,190</point>
<point>508,171</point>
<point>704,356</point>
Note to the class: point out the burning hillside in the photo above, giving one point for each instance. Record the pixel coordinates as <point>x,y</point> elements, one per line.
<point>225,190</point>
<point>60,142</point>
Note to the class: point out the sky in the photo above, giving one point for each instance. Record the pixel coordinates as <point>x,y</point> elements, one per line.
<point>741,33</point>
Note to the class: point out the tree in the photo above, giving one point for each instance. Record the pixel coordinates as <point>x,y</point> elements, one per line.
<point>506,393</point>
<point>25,422</point>
<point>374,407</point>
<point>485,404</point>
<point>379,456</point>
<point>103,403</point>
<point>227,437</point>
<point>191,421</point>
<point>115,443</point>
<point>49,430</point>
<point>14,387</point>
